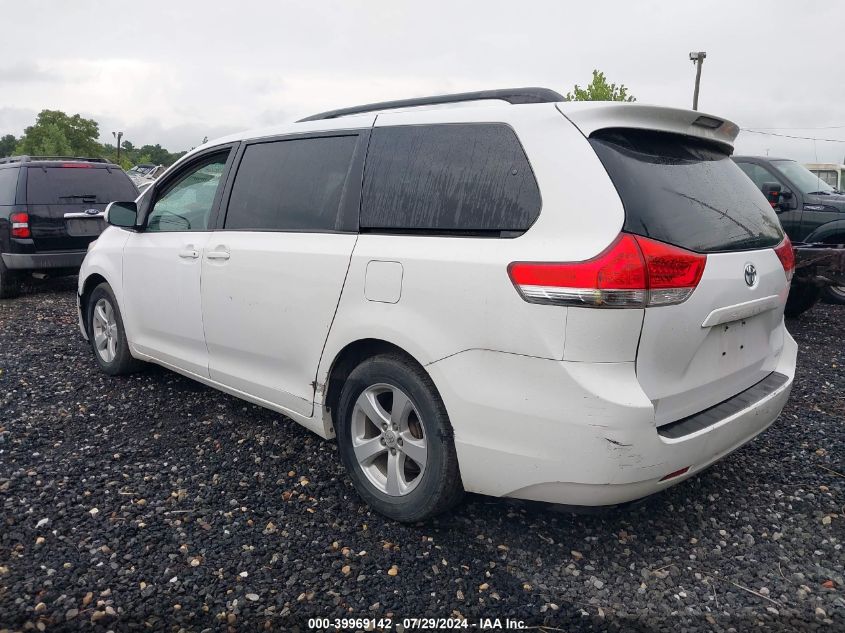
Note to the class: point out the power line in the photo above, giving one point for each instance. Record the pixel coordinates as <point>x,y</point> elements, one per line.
<point>805,138</point>
<point>824,127</point>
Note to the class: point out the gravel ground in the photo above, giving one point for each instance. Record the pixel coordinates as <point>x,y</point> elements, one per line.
<point>152,502</point>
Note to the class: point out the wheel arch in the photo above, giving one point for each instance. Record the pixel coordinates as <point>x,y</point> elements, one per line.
<point>830,233</point>
<point>91,281</point>
<point>349,357</point>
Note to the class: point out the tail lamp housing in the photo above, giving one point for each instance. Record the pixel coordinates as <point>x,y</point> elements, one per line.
<point>20,225</point>
<point>633,272</point>
<point>786,255</point>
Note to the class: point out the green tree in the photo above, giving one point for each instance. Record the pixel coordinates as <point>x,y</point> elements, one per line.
<point>47,140</point>
<point>599,90</point>
<point>7,145</point>
<point>57,133</point>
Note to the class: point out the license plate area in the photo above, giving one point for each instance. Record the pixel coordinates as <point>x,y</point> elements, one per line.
<point>741,342</point>
<point>84,227</point>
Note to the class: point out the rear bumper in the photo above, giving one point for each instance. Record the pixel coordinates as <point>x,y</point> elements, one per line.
<point>43,261</point>
<point>579,433</point>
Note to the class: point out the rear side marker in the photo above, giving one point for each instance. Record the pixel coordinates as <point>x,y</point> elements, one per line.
<point>633,272</point>
<point>676,473</point>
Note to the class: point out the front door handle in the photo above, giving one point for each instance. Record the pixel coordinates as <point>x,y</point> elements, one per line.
<point>217,255</point>
<point>189,253</point>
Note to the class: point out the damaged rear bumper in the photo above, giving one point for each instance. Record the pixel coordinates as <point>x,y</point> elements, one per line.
<point>580,434</point>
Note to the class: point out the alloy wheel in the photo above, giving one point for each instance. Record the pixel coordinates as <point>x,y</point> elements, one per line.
<point>388,439</point>
<point>104,325</point>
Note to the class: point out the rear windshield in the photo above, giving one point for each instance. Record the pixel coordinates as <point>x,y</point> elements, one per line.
<point>686,192</point>
<point>69,185</point>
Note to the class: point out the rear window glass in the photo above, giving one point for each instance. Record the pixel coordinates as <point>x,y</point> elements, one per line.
<point>69,185</point>
<point>293,185</point>
<point>448,177</point>
<point>686,192</point>
<point>8,185</point>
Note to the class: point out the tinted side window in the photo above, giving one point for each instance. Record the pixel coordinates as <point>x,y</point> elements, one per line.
<point>293,185</point>
<point>186,204</point>
<point>451,177</point>
<point>8,185</point>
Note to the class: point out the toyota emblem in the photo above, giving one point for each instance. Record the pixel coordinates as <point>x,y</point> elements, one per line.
<point>750,275</point>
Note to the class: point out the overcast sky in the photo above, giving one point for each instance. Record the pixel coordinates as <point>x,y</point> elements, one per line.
<point>173,72</point>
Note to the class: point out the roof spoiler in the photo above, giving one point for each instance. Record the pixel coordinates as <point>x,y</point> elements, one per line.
<point>591,116</point>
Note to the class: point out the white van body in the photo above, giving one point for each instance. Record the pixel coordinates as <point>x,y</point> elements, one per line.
<point>547,401</point>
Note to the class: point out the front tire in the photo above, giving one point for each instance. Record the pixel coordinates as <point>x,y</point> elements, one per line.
<point>395,440</point>
<point>107,334</point>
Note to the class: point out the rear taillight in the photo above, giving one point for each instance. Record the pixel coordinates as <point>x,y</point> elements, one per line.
<point>786,255</point>
<point>633,272</point>
<point>20,225</point>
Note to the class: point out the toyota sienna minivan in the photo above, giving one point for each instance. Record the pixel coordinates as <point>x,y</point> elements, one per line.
<point>575,303</point>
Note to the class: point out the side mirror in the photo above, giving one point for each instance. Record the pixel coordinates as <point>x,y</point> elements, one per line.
<point>122,214</point>
<point>772,192</point>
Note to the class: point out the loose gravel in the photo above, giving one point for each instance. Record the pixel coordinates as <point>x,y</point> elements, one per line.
<point>151,502</point>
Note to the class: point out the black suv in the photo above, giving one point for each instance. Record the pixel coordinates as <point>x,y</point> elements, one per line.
<point>809,209</point>
<point>51,208</point>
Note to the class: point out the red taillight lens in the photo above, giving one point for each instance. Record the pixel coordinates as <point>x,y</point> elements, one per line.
<point>20,225</point>
<point>673,273</point>
<point>786,255</point>
<point>632,272</point>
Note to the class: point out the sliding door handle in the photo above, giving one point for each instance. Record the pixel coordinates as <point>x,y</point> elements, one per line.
<point>217,255</point>
<point>189,253</point>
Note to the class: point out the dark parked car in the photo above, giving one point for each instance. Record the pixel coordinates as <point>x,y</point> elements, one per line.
<point>51,208</point>
<point>810,210</point>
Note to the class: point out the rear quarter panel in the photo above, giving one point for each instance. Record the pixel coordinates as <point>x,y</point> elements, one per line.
<point>455,292</point>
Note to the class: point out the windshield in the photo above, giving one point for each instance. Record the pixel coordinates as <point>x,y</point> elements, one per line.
<point>805,180</point>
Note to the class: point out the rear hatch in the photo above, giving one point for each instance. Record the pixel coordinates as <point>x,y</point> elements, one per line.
<point>728,334</point>
<point>66,201</point>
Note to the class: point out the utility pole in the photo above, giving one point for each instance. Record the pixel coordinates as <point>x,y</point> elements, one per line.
<point>119,135</point>
<point>697,58</point>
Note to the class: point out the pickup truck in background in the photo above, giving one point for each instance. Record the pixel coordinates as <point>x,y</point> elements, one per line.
<point>813,215</point>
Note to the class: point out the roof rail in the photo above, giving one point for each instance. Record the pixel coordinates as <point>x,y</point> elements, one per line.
<point>26,159</point>
<point>511,95</point>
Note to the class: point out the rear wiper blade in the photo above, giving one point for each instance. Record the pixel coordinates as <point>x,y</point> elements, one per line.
<point>79,195</point>
<point>818,193</point>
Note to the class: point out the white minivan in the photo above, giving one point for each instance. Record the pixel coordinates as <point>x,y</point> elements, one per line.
<point>575,303</point>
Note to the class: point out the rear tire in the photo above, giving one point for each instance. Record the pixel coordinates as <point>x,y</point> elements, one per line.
<point>10,282</point>
<point>802,297</point>
<point>395,440</point>
<point>107,334</point>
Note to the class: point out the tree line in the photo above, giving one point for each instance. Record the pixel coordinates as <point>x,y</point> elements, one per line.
<point>56,133</point>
